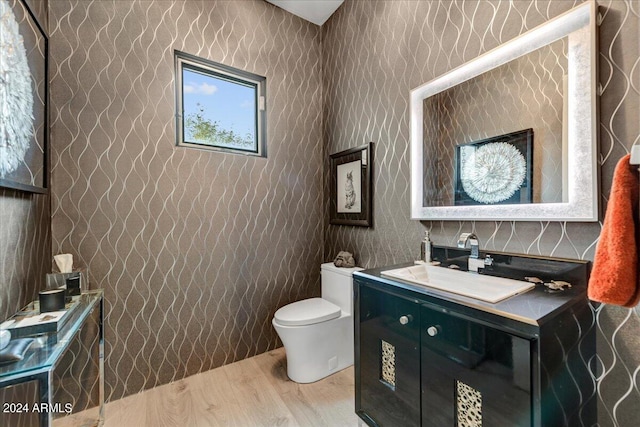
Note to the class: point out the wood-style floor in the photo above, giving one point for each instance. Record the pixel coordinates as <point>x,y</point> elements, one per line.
<point>252,392</point>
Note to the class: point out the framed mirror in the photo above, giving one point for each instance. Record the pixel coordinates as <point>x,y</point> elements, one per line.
<point>512,134</point>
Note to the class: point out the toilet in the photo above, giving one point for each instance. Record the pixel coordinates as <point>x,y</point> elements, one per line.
<point>317,333</point>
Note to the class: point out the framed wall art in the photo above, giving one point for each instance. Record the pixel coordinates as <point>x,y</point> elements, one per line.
<point>24,93</point>
<point>351,196</point>
<point>496,170</point>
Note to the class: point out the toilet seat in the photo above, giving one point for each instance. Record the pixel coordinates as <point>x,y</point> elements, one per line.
<point>307,312</point>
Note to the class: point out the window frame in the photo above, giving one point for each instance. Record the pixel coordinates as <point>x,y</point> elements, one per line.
<point>222,72</point>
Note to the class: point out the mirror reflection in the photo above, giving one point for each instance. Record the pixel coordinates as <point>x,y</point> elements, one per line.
<point>482,120</point>
<point>512,134</point>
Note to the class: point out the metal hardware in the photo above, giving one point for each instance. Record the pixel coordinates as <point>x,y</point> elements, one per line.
<point>405,319</point>
<point>432,331</point>
<point>488,260</point>
<point>473,243</point>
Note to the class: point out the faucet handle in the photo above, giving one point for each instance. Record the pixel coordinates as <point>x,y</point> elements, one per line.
<point>488,261</point>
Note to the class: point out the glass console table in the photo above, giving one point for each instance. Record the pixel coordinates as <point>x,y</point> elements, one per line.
<point>67,367</point>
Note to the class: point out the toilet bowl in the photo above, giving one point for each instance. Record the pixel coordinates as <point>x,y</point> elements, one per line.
<point>317,333</point>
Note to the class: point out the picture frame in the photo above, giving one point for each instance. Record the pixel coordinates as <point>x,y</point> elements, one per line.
<point>24,145</point>
<point>351,195</point>
<point>509,178</point>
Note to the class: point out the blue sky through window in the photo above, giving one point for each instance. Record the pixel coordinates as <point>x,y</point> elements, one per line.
<point>230,104</point>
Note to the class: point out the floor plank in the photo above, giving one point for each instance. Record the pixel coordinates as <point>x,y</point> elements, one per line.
<point>254,392</point>
<point>328,402</point>
<point>255,397</point>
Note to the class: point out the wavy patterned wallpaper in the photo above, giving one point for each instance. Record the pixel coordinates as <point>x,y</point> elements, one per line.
<point>195,250</point>
<point>375,52</point>
<point>25,248</point>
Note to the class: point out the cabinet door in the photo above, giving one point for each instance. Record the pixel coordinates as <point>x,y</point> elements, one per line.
<point>388,372</point>
<point>472,374</point>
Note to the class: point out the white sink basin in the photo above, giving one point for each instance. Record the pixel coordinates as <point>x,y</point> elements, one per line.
<point>482,287</point>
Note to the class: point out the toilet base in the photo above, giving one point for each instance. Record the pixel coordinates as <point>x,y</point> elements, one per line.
<point>319,350</point>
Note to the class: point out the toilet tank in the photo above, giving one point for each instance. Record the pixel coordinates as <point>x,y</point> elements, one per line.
<point>337,285</point>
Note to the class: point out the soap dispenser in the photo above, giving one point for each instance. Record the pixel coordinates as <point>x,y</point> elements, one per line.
<point>425,248</point>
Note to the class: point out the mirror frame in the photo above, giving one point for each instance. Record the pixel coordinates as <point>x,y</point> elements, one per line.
<point>580,24</point>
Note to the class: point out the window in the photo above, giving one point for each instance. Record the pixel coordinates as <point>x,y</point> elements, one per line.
<point>219,107</point>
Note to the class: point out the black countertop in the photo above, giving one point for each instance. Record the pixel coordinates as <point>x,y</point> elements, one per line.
<point>534,307</point>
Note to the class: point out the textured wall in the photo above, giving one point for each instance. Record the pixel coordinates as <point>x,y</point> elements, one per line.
<point>195,249</point>
<point>375,52</point>
<point>25,248</point>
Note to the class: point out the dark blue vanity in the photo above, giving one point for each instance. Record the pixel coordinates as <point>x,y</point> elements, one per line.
<point>426,357</point>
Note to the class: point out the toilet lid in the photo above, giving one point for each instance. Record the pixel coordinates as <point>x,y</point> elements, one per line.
<point>307,312</point>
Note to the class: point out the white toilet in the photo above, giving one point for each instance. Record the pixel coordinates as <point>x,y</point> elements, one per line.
<point>317,333</point>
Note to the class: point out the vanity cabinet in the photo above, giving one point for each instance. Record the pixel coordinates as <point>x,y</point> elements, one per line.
<point>472,374</point>
<point>422,359</point>
<point>389,356</point>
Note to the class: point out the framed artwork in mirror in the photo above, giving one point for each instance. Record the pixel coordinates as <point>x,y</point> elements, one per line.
<point>351,196</point>
<point>24,93</point>
<point>496,170</point>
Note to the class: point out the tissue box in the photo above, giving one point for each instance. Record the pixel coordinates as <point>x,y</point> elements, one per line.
<point>74,282</point>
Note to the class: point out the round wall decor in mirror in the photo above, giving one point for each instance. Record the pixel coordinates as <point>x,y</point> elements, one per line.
<point>493,172</point>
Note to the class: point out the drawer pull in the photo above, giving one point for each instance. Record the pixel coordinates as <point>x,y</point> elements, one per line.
<point>405,319</point>
<point>432,331</point>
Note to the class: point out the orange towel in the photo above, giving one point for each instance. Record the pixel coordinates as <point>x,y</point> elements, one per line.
<point>614,279</point>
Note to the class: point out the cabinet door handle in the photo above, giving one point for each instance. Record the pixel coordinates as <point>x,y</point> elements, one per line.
<point>405,319</point>
<point>433,331</point>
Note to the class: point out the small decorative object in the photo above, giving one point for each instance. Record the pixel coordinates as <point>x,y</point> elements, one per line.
<point>496,170</point>
<point>344,259</point>
<point>351,198</point>
<point>553,286</point>
<point>73,284</point>
<point>51,300</point>
<point>5,337</point>
<point>557,285</point>
<point>23,91</point>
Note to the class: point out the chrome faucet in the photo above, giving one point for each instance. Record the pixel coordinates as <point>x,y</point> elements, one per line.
<point>473,243</point>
